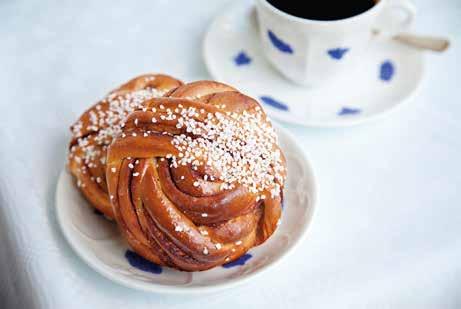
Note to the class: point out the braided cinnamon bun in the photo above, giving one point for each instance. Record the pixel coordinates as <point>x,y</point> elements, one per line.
<point>96,128</point>
<point>196,177</point>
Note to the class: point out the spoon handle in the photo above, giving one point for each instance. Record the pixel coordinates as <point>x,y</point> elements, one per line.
<point>437,44</point>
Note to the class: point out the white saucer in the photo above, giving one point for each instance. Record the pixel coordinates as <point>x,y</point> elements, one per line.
<point>98,242</point>
<point>388,76</point>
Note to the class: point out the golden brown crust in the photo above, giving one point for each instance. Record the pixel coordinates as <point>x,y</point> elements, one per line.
<point>187,215</point>
<point>92,133</point>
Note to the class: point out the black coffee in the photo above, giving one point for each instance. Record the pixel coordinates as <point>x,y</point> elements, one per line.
<point>323,10</point>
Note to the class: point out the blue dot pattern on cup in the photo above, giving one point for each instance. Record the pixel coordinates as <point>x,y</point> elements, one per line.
<point>279,43</point>
<point>274,103</point>
<point>337,53</point>
<point>141,263</point>
<point>238,262</point>
<point>349,111</point>
<point>242,59</point>
<point>386,71</point>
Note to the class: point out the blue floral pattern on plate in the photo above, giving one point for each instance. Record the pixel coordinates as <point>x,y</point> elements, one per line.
<point>279,43</point>
<point>274,103</point>
<point>337,53</point>
<point>386,71</point>
<point>349,111</point>
<point>238,262</point>
<point>242,59</point>
<point>141,263</point>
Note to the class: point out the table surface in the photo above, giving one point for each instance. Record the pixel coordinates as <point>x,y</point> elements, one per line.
<point>386,231</point>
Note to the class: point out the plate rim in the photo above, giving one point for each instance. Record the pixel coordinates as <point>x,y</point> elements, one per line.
<point>99,267</point>
<point>284,118</point>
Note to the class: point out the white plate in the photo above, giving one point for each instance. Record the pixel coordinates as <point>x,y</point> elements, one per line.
<point>98,242</point>
<point>388,75</point>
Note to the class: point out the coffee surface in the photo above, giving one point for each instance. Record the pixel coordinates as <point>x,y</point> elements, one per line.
<point>323,10</point>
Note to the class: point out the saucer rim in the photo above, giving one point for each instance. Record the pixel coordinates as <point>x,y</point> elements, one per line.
<point>285,117</point>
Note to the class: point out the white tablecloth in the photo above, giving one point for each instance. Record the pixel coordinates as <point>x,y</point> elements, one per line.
<point>388,224</point>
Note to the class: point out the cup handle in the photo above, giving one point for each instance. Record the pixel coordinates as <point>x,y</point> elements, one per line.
<point>388,22</point>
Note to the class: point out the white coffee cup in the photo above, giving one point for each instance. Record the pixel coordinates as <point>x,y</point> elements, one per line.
<point>312,52</point>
